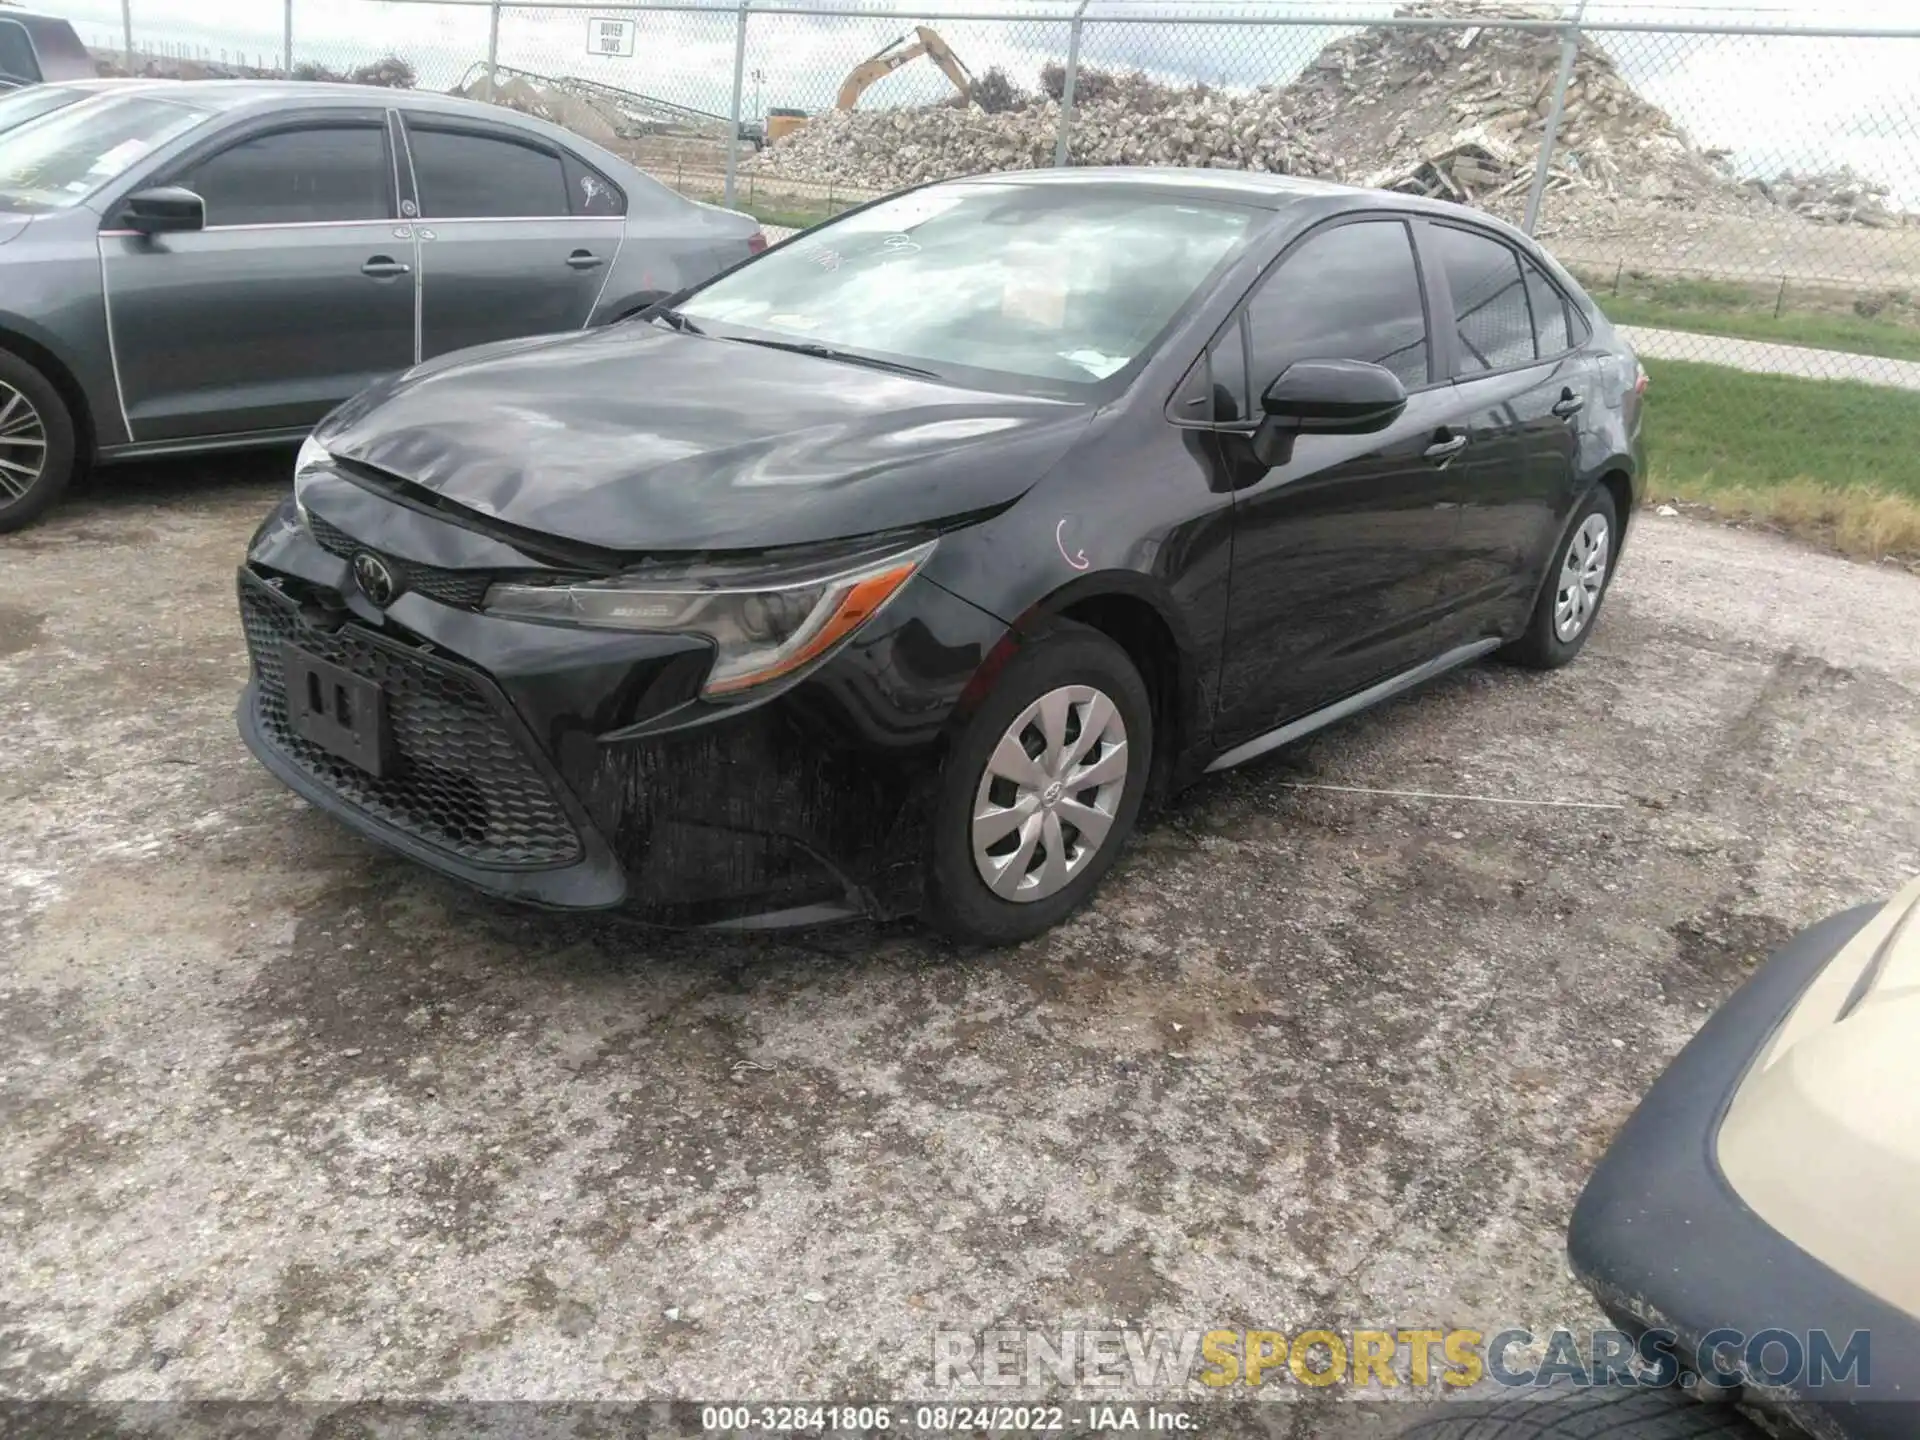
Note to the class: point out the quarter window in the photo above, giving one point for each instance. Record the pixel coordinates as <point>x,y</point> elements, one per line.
<point>462,175</point>
<point>1349,293</point>
<point>1492,323</point>
<point>591,192</point>
<point>1229,377</point>
<point>292,177</point>
<point>1549,312</point>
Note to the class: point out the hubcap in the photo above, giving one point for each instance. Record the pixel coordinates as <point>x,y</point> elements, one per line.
<point>1050,792</point>
<point>23,445</point>
<point>1583,575</point>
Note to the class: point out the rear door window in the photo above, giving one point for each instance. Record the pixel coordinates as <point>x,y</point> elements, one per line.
<point>1349,292</point>
<point>1493,326</point>
<point>465,175</point>
<point>306,176</point>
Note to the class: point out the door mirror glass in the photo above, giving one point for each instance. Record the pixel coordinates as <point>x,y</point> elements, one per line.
<point>1334,397</point>
<point>165,209</point>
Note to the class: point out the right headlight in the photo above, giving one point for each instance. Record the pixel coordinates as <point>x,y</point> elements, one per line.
<point>765,623</point>
<point>312,454</point>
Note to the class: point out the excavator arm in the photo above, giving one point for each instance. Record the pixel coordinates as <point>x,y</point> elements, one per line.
<point>900,52</point>
<point>942,55</point>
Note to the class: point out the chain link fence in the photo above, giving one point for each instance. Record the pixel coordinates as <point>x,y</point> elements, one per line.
<point>1737,187</point>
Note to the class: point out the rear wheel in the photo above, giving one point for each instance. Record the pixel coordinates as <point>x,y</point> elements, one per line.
<point>36,443</point>
<point>1041,790</point>
<point>1569,602</point>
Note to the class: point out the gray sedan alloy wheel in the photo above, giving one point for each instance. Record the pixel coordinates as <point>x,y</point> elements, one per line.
<point>1050,793</point>
<point>1583,575</point>
<point>23,445</point>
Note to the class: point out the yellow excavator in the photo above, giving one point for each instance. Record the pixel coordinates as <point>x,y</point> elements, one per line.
<point>907,48</point>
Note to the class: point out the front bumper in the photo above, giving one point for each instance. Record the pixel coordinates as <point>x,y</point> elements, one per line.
<point>1664,1242</point>
<point>577,769</point>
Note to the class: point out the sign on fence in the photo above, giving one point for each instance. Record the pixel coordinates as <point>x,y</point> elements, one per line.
<point>610,37</point>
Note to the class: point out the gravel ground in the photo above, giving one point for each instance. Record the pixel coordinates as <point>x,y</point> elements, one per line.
<point>284,1116</point>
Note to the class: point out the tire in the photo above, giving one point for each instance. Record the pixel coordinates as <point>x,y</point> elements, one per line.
<point>1608,1414</point>
<point>1545,645</point>
<point>36,433</point>
<point>1034,893</point>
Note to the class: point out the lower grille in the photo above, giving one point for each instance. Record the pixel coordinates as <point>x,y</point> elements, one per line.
<point>462,780</point>
<point>461,588</point>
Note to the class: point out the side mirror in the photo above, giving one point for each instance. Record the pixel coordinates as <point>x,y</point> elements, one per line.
<point>1334,397</point>
<point>164,210</point>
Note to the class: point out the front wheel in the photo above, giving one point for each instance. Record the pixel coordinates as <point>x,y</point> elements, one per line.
<point>1041,789</point>
<point>1577,582</point>
<point>36,443</point>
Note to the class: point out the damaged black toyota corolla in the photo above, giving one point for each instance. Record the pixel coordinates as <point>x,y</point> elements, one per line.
<point>892,571</point>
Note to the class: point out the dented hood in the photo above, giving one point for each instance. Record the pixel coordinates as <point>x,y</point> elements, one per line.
<point>645,439</point>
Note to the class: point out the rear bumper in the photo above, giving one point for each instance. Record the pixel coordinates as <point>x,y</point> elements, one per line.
<point>1664,1242</point>
<point>575,769</point>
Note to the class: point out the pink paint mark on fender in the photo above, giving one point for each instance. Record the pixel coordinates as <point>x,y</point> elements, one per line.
<point>1078,559</point>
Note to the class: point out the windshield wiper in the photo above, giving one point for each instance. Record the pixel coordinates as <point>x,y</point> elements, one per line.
<point>677,321</point>
<point>827,352</point>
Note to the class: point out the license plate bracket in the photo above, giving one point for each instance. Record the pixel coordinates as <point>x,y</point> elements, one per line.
<point>343,713</point>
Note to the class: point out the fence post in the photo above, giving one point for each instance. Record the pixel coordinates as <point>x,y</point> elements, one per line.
<point>493,46</point>
<point>1569,50</point>
<point>1066,87</point>
<point>733,115</point>
<point>126,30</point>
<point>287,49</point>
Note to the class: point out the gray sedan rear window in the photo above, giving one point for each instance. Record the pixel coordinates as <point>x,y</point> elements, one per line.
<point>463,175</point>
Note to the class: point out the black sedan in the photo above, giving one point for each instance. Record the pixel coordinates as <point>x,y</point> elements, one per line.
<point>893,571</point>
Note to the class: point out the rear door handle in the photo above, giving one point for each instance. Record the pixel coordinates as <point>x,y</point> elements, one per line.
<point>383,267</point>
<point>1568,404</point>
<point>1443,451</point>
<point>583,260</point>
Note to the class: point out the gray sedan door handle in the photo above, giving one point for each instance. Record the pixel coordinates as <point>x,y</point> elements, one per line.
<point>1568,404</point>
<point>583,260</point>
<point>1442,451</point>
<point>382,267</point>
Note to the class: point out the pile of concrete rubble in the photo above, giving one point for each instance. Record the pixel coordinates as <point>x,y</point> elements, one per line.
<point>883,149</point>
<point>1454,112</point>
<point>1459,114</point>
<point>1837,197</point>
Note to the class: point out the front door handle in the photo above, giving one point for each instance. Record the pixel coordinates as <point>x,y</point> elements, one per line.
<point>385,267</point>
<point>1441,452</point>
<point>583,260</point>
<point>1568,404</point>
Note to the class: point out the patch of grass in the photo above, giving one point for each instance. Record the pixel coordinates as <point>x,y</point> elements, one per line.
<point>1829,460</point>
<point>792,219</point>
<point>776,211</point>
<point>1862,322</point>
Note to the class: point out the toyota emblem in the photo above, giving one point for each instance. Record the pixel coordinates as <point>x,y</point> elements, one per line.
<point>376,580</point>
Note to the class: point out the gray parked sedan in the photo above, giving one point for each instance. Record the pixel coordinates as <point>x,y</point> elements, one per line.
<point>213,264</point>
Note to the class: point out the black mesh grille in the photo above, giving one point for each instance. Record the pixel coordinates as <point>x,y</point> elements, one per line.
<point>461,780</point>
<point>463,588</point>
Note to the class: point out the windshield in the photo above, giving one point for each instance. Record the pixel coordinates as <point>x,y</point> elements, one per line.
<point>30,104</point>
<point>62,158</point>
<point>1065,284</point>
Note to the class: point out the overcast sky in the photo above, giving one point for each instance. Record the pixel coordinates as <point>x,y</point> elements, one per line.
<point>1778,102</point>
